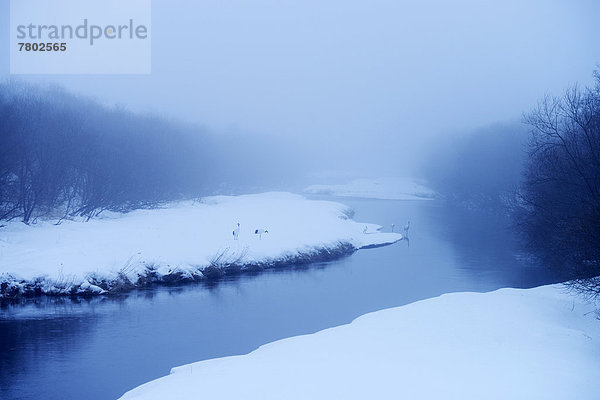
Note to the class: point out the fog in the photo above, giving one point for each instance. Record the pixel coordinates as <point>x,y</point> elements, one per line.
<point>419,159</point>
<point>363,88</point>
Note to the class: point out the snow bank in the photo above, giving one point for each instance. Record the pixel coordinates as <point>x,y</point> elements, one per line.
<point>381,188</point>
<point>186,241</point>
<point>509,344</point>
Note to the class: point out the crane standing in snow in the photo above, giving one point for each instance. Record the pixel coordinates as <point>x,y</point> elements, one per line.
<point>236,232</point>
<point>260,232</point>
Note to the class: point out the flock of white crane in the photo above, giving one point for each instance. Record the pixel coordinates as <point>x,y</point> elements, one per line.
<point>260,232</point>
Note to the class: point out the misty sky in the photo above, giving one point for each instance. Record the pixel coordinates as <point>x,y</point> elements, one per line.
<point>370,80</point>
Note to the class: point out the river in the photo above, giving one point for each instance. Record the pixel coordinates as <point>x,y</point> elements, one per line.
<point>55,348</point>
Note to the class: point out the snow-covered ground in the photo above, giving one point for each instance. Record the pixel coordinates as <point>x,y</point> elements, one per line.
<point>177,243</point>
<point>380,188</point>
<point>509,344</point>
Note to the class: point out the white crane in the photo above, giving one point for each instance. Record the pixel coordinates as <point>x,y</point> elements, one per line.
<point>260,232</point>
<point>406,227</point>
<point>236,232</point>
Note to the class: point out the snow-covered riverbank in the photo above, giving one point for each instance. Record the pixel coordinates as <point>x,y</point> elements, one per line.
<point>186,241</point>
<point>509,344</point>
<point>380,188</point>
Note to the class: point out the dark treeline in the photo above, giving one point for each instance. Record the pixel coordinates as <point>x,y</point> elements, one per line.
<point>545,177</point>
<point>559,203</point>
<point>62,155</point>
<point>67,155</point>
<point>480,170</point>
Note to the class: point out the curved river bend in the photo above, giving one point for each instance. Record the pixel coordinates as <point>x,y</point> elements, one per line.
<point>100,348</point>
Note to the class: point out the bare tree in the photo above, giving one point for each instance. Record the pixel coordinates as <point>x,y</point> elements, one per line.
<point>560,198</point>
<point>62,155</point>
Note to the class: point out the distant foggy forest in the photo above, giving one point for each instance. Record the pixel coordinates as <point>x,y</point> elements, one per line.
<point>543,174</point>
<point>62,155</point>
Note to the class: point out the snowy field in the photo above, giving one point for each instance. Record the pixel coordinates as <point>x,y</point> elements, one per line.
<point>381,188</point>
<point>185,241</point>
<point>509,344</point>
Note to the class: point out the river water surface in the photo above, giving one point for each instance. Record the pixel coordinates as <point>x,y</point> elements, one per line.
<point>99,348</point>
